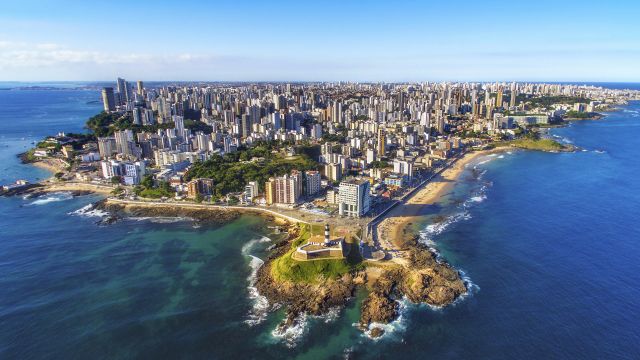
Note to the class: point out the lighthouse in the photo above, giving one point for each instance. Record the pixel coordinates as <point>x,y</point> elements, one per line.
<point>327,242</point>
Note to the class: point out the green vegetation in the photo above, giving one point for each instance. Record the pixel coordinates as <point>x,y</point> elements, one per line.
<point>233,200</point>
<point>379,164</point>
<point>28,156</point>
<point>44,144</point>
<point>547,101</point>
<point>285,268</point>
<point>538,144</point>
<point>147,189</point>
<point>581,115</point>
<point>340,136</point>
<point>105,124</point>
<point>231,172</point>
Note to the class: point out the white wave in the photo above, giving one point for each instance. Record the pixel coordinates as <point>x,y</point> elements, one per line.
<point>484,161</point>
<point>563,139</point>
<point>600,151</point>
<point>260,304</point>
<point>501,157</point>
<point>89,211</point>
<point>472,287</point>
<point>510,152</point>
<point>393,329</point>
<point>291,335</point>
<point>478,199</point>
<point>52,197</point>
<point>246,248</point>
<point>160,219</point>
<point>332,315</point>
<point>492,155</point>
<point>437,228</point>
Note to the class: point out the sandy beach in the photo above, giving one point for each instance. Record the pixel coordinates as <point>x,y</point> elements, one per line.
<point>52,165</point>
<point>54,186</point>
<point>394,231</point>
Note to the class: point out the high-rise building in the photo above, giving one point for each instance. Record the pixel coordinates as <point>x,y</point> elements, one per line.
<point>245,125</point>
<point>403,167</point>
<point>284,189</point>
<point>333,171</point>
<point>313,182</point>
<point>140,88</point>
<point>251,191</point>
<point>108,99</point>
<point>354,199</point>
<point>270,191</point>
<point>199,187</point>
<point>382,141</point>
<point>123,90</point>
<point>124,141</point>
<point>106,147</point>
<point>178,122</point>
<point>136,115</point>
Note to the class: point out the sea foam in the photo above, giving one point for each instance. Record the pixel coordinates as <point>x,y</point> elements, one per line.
<point>89,211</point>
<point>52,197</point>
<point>393,329</point>
<point>260,305</point>
<point>292,334</point>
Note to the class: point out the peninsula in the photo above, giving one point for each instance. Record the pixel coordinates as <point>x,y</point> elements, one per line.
<point>345,169</point>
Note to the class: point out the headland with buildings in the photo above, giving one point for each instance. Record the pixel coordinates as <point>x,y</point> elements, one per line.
<point>337,162</point>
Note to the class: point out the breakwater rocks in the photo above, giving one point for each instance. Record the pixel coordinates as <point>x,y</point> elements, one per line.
<point>215,216</point>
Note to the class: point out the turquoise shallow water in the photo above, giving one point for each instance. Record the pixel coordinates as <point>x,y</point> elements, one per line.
<point>550,242</point>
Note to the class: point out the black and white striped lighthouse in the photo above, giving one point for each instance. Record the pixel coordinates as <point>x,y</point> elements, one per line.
<point>326,234</point>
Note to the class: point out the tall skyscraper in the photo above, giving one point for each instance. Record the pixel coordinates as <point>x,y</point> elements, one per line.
<point>140,87</point>
<point>179,125</point>
<point>122,90</point>
<point>108,99</point>
<point>245,125</point>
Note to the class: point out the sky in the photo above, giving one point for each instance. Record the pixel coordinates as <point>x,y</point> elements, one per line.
<point>320,41</point>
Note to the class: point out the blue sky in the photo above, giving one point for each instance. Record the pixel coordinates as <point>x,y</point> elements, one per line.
<point>329,40</point>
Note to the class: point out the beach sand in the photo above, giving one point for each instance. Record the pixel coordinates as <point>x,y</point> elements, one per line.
<point>52,165</point>
<point>54,186</point>
<point>394,232</point>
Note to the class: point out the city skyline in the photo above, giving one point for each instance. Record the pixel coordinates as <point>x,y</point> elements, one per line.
<point>287,41</point>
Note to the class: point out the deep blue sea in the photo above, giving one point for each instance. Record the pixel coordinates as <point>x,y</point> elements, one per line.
<point>551,243</point>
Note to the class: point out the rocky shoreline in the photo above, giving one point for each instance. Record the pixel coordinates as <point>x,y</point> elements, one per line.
<point>121,211</point>
<point>299,298</point>
<point>425,280</point>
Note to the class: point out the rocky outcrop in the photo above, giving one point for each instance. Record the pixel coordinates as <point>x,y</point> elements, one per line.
<point>314,299</point>
<point>215,216</point>
<point>426,280</point>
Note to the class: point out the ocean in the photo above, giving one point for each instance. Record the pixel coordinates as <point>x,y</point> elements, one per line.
<point>549,243</point>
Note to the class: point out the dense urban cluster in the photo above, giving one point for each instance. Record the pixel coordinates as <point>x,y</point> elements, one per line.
<point>334,147</point>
